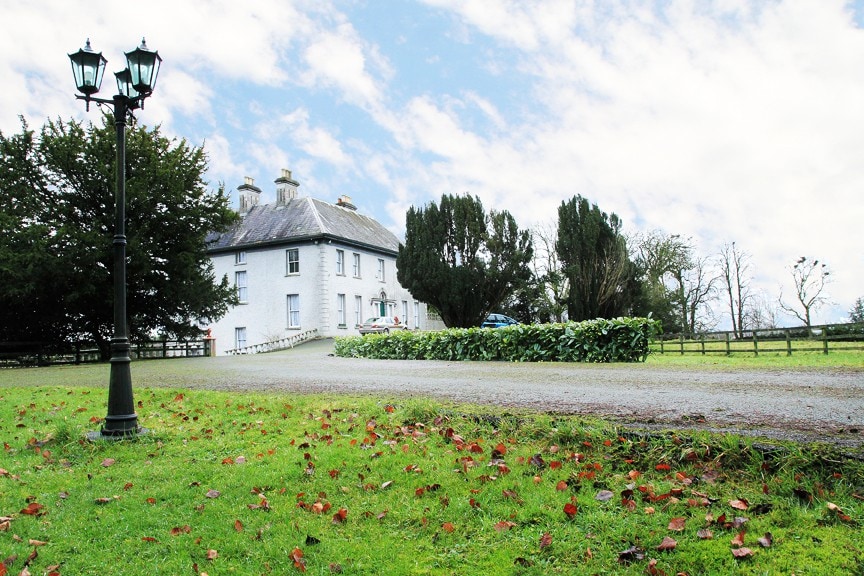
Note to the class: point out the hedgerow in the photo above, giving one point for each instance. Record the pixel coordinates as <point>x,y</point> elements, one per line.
<point>600,340</point>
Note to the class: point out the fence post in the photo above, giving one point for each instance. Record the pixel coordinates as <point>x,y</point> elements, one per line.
<point>681,341</point>
<point>788,343</point>
<point>728,348</point>
<point>755,345</point>
<point>825,340</point>
<point>702,342</point>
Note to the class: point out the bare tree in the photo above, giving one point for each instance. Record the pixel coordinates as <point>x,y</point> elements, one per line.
<point>762,313</point>
<point>697,289</point>
<point>809,278</point>
<point>734,267</point>
<point>549,272</point>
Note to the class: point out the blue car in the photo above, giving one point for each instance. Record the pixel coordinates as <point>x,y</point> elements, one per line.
<point>498,321</point>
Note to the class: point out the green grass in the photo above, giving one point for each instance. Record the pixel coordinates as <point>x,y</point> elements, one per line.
<point>418,485</point>
<point>844,359</point>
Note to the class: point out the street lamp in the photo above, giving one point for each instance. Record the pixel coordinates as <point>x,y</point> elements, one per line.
<point>134,85</point>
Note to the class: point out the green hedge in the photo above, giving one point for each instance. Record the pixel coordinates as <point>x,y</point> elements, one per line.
<point>617,340</point>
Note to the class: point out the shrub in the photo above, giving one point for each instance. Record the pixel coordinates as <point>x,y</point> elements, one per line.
<point>600,340</point>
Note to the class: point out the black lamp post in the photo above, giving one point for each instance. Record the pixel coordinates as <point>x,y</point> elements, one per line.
<point>134,84</point>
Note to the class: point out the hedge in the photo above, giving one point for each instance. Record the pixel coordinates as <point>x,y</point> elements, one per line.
<point>600,340</point>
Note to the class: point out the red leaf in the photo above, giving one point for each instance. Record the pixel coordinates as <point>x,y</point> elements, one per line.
<point>299,561</point>
<point>238,525</point>
<point>570,510</point>
<point>677,524</point>
<point>545,540</point>
<point>151,501</point>
<point>561,486</point>
<point>662,467</point>
<point>500,449</point>
<point>667,544</point>
<point>148,539</point>
<point>739,539</point>
<point>33,509</point>
<point>448,527</point>
<point>340,516</point>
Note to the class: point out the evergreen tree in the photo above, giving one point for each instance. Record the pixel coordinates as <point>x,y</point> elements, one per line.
<point>460,260</point>
<point>57,226</point>
<point>603,281</point>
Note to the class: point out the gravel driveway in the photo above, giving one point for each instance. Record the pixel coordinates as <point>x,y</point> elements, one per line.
<point>825,405</point>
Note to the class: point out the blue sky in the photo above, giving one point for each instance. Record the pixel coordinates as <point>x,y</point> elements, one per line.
<point>729,120</point>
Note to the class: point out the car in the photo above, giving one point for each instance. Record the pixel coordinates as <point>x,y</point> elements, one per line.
<point>498,321</point>
<point>380,325</point>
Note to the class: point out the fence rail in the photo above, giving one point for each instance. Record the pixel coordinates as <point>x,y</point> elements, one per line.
<point>825,338</point>
<point>16,354</point>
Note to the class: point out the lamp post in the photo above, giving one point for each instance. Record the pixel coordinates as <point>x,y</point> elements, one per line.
<point>134,85</point>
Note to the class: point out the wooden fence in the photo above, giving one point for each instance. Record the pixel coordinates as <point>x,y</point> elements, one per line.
<point>15,354</point>
<point>825,339</point>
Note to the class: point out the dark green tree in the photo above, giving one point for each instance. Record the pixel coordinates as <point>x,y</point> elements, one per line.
<point>57,224</point>
<point>856,314</point>
<point>460,260</point>
<point>603,281</point>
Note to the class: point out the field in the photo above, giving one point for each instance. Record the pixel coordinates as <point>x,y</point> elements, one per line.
<point>240,483</point>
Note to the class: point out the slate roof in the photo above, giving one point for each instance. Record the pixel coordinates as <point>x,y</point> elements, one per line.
<point>303,219</point>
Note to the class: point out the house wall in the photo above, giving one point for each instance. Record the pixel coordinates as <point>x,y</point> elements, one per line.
<point>318,284</point>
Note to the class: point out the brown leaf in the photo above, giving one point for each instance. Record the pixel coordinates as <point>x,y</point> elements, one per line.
<point>448,527</point>
<point>705,534</point>
<point>177,530</point>
<point>766,541</point>
<point>36,542</point>
<point>545,540</point>
<point>340,516</point>
<point>604,495</point>
<point>561,486</point>
<point>299,561</point>
<point>739,504</point>
<point>238,525</point>
<point>667,544</point>
<point>631,554</point>
<point>108,462</point>
<point>504,525</point>
<point>33,509</point>
<point>213,493</point>
<point>102,500</point>
<point>739,539</point>
<point>212,554</point>
<point>677,524</point>
<point>742,552</point>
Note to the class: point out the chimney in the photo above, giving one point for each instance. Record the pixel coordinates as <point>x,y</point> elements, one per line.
<point>345,202</point>
<point>286,188</point>
<point>249,195</point>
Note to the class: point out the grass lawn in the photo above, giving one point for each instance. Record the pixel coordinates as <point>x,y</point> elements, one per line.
<point>239,483</point>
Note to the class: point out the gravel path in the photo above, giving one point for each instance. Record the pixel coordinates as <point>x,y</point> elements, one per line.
<point>825,405</point>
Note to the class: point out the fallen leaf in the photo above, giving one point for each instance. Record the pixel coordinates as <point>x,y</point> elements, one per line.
<point>340,516</point>
<point>448,527</point>
<point>677,524</point>
<point>212,554</point>
<point>33,509</point>
<point>742,552</point>
<point>299,561</point>
<point>36,542</point>
<point>738,540</point>
<point>335,568</point>
<point>238,525</point>
<point>667,544</point>
<point>631,554</point>
<point>561,486</point>
<point>108,462</point>
<point>766,541</point>
<point>213,493</point>
<point>545,540</point>
<point>739,504</point>
<point>504,525</point>
<point>103,500</point>
<point>604,495</point>
<point>570,509</point>
<point>705,534</point>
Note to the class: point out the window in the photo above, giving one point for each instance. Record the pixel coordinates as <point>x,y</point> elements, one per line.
<point>356,265</point>
<point>239,338</point>
<point>340,262</point>
<point>292,257</point>
<point>405,312</point>
<point>242,287</point>
<point>358,310</point>
<point>380,274</point>
<point>293,311</point>
<point>240,257</point>
<point>416,315</point>
<point>340,309</point>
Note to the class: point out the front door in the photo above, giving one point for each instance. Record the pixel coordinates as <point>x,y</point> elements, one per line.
<point>382,308</point>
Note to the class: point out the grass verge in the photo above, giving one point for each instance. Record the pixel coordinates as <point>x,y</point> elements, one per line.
<point>268,484</point>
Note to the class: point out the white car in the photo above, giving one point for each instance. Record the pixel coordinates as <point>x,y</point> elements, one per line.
<point>380,325</point>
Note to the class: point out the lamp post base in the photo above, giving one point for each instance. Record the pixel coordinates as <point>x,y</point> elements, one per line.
<point>104,434</point>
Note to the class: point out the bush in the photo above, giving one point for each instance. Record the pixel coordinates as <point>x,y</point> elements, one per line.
<point>617,340</point>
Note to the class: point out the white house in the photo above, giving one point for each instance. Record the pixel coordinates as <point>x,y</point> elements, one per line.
<point>302,264</point>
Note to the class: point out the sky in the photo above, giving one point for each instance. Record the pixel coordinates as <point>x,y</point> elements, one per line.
<point>722,121</point>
